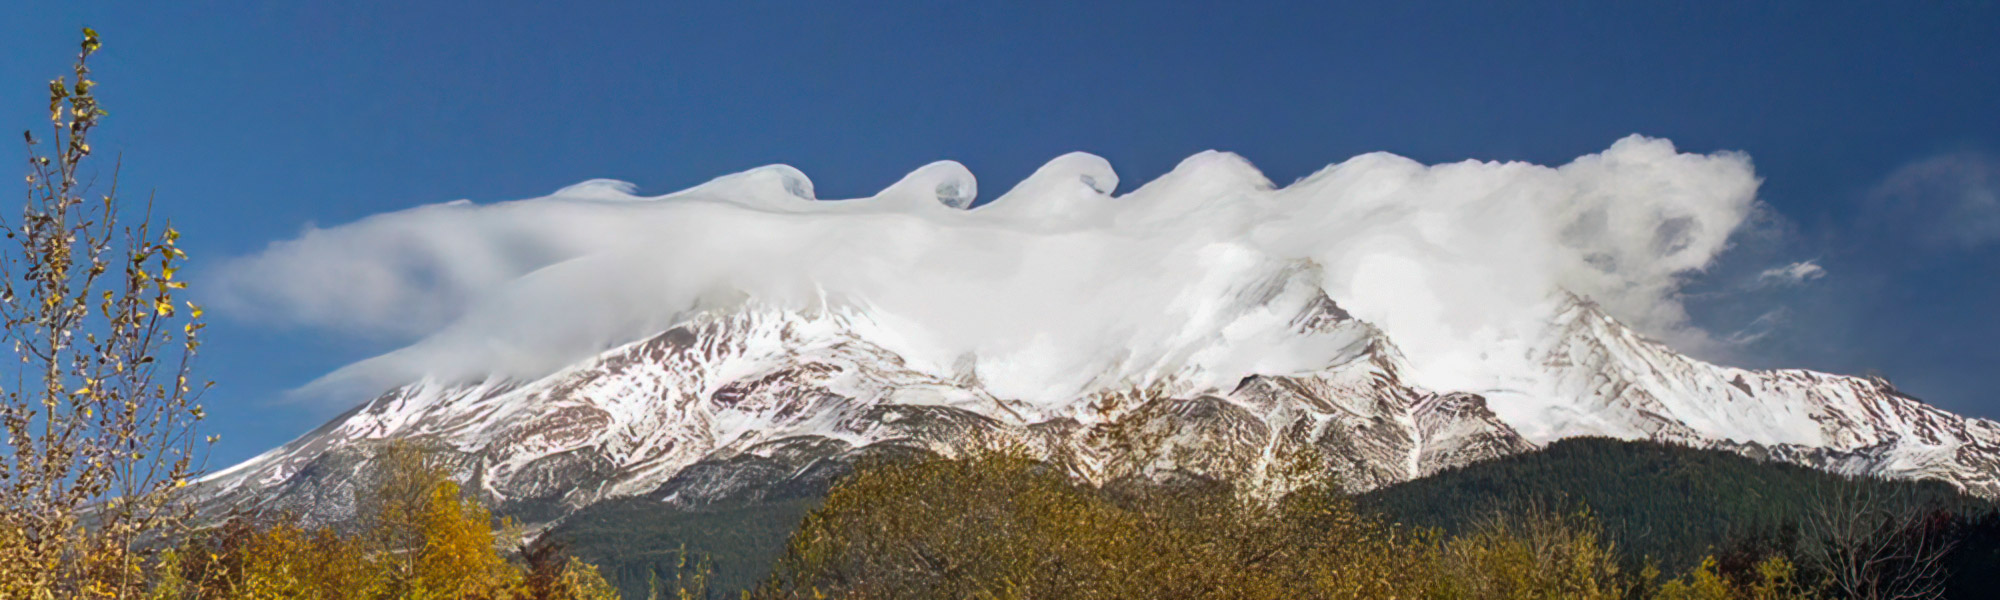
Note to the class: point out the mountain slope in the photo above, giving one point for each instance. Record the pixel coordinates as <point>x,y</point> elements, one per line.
<point>1600,378</point>
<point>757,402</point>
<point>748,403</point>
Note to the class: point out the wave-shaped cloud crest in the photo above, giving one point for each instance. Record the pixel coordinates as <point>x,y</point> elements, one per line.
<point>1457,262</point>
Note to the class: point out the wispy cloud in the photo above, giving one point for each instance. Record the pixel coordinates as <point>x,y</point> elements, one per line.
<point>1792,274</point>
<point>1759,328</point>
<point>1948,200</point>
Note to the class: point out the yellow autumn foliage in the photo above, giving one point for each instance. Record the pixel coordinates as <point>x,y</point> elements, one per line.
<point>1774,578</point>
<point>1004,527</point>
<point>423,539</point>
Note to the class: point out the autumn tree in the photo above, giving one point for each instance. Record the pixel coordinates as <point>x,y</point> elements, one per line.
<point>1875,542</point>
<point>419,536</point>
<point>437,542</point>
<point>1004,526</point>
<point>100,416</point>
<point>1533,554</point>
<point>1772,578</point>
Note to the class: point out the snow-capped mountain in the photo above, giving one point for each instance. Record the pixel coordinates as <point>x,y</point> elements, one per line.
<point>1601,378</point>
<point>753,401</point>
<point>1197,325</point>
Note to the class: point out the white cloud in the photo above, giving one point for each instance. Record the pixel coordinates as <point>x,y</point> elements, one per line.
<point>1792,274</point>
<point>1759,328</point>
<point>1055,277</point>
<point>1950,199</point>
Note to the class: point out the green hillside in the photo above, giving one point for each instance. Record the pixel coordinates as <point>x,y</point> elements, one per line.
<point>632,540</point>
<point>1672,503</point>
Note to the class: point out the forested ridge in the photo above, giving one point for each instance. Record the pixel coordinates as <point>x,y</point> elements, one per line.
<point>1671,503</point>
<point>1628,519</point>
<point>636,541</point>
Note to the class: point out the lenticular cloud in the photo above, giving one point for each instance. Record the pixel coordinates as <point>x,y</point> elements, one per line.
<point>1455,262</point>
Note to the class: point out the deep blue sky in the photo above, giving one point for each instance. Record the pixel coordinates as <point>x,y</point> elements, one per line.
<point>253,119</point>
